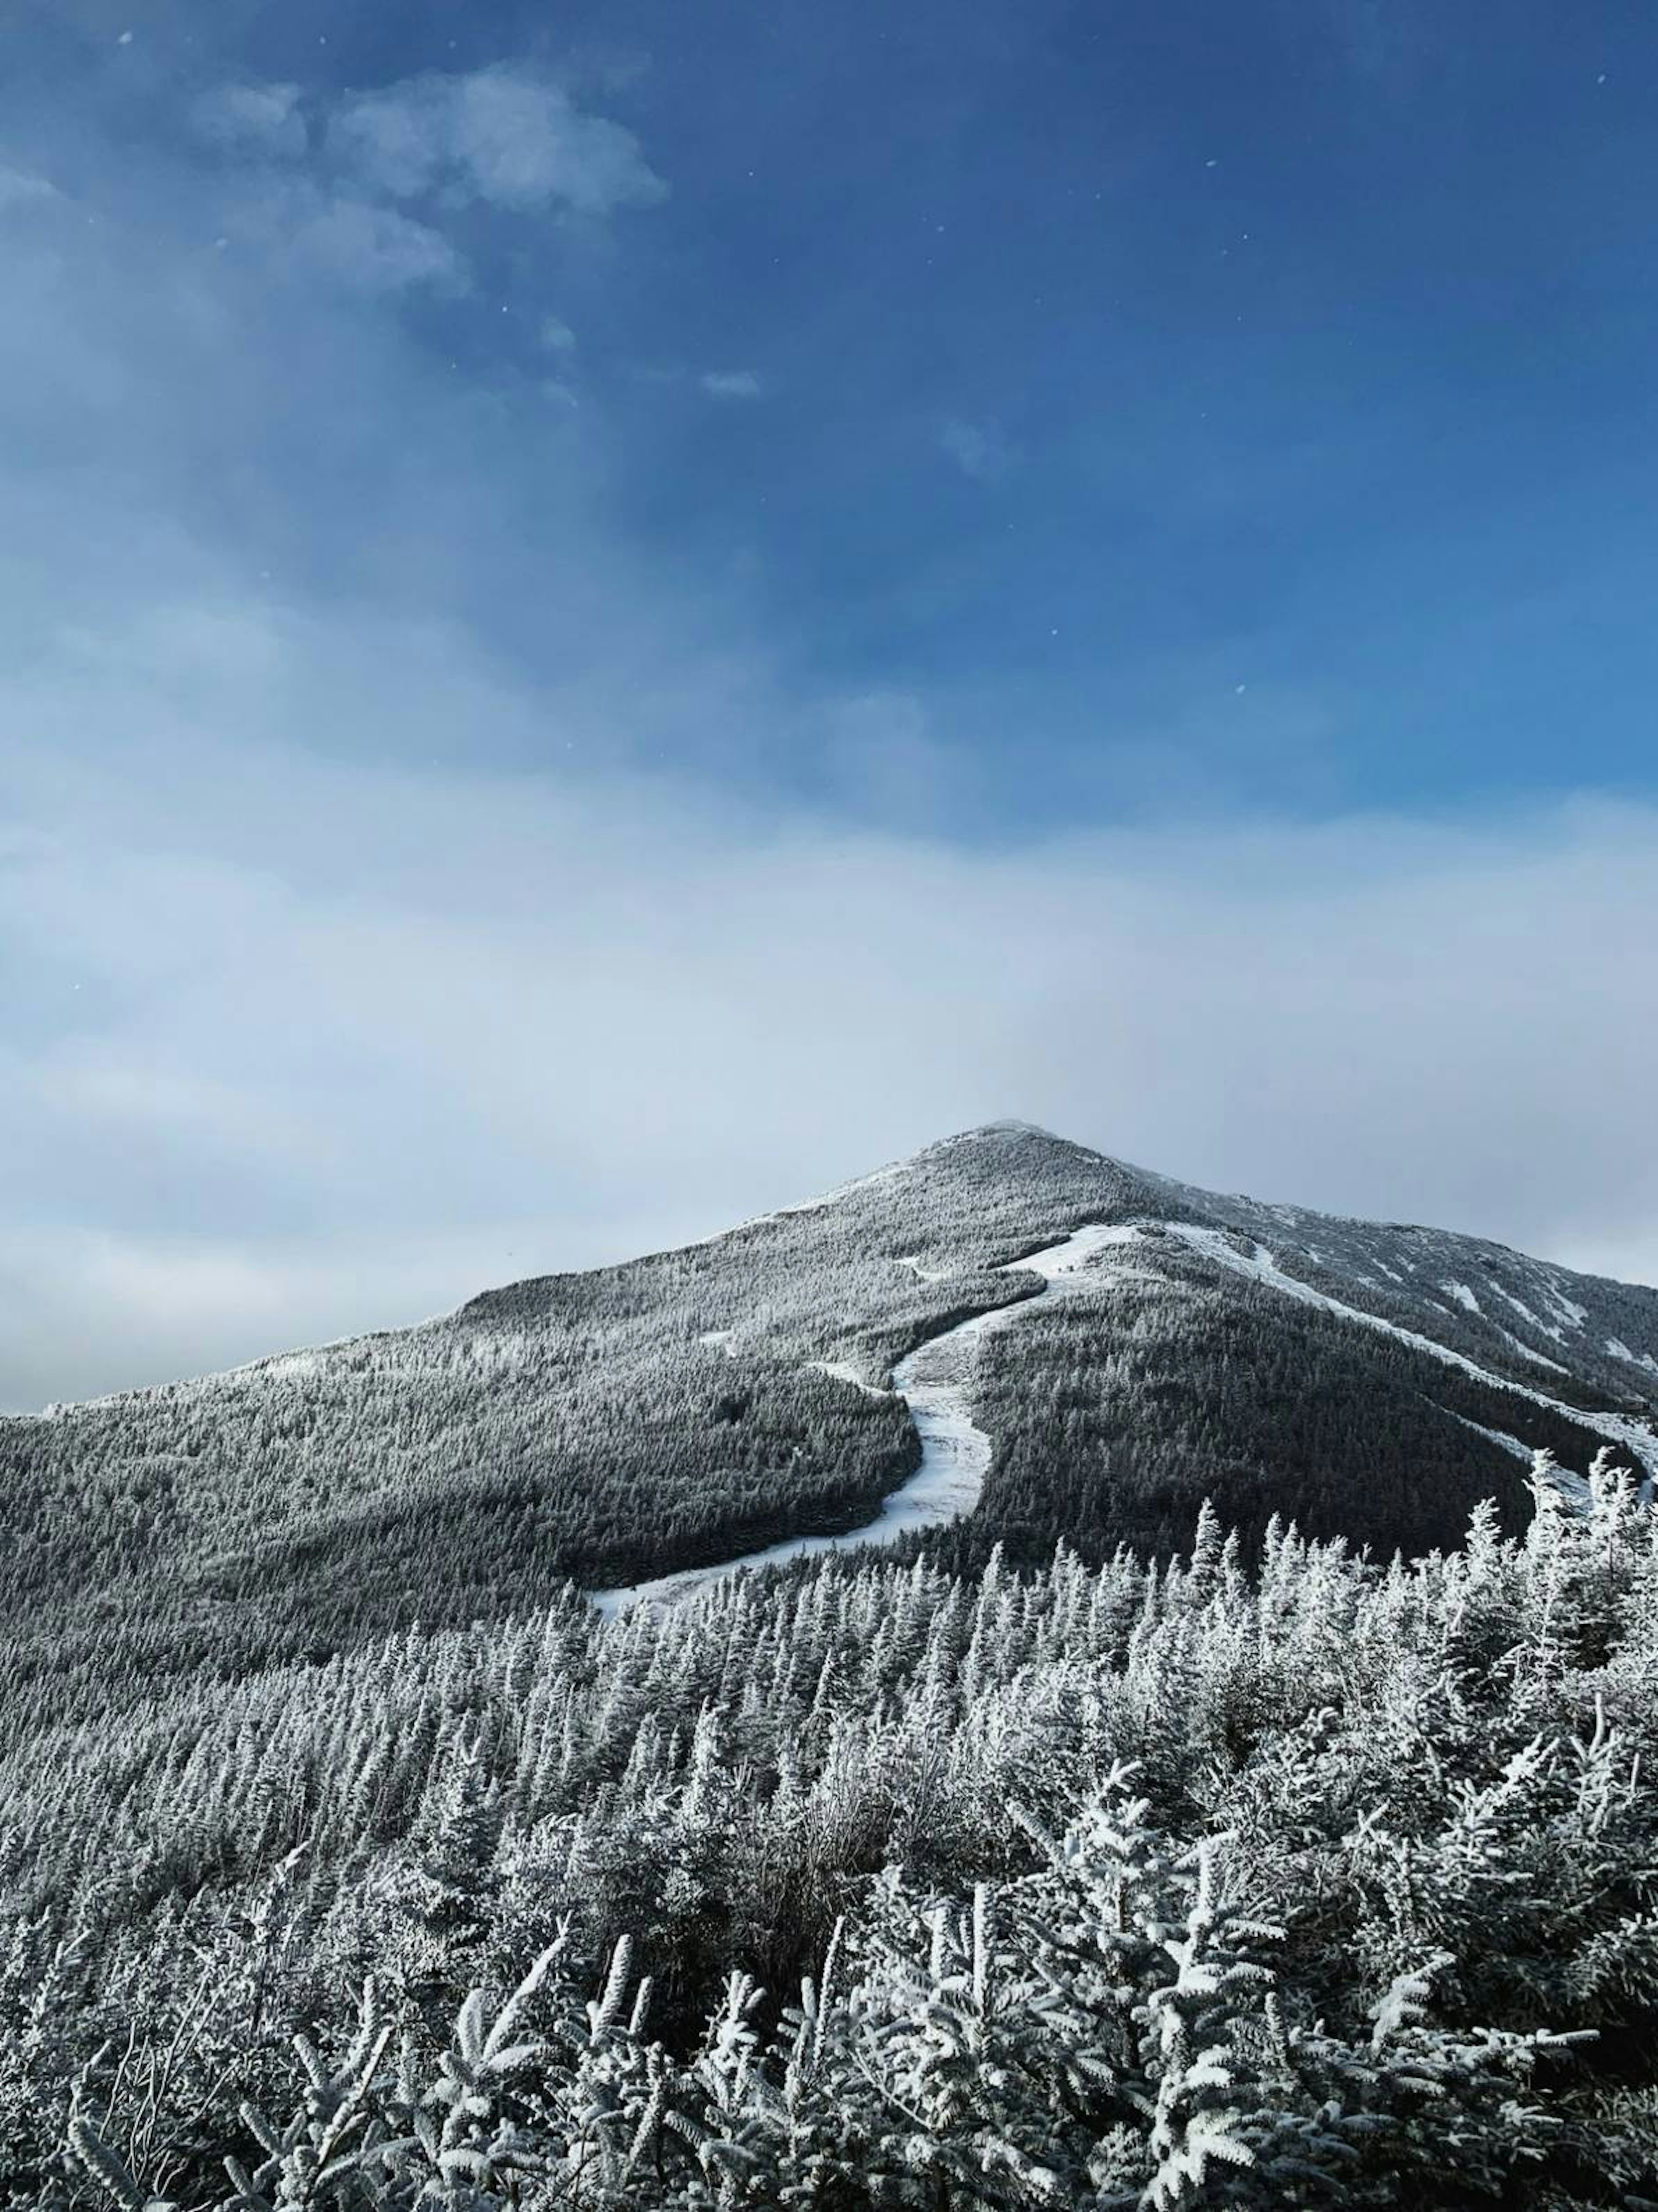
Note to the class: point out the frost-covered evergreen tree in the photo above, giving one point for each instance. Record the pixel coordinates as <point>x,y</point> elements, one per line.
<point>1332,1882</point>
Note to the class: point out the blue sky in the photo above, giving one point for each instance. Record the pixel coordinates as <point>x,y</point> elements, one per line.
<point>555,553</point>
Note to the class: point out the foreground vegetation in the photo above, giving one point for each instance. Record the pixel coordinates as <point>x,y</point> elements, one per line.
<point>1329,1883</point>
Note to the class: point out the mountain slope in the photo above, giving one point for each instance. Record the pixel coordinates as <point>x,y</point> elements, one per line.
<point>699,1404</point>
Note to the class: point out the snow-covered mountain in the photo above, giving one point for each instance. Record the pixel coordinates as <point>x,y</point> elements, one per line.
<point>700,1405</point>
<point>297,1694</point>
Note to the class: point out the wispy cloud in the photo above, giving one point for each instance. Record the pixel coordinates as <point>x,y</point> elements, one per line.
<point>978,449</point>
<point>262,118</point>
<point>20,188</point>
<point>507,135</point>
<point>353,241</point>
<point>363,189</point>
<point>733,384</point>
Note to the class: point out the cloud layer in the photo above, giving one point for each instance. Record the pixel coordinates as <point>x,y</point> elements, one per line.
<point>318,1046</point>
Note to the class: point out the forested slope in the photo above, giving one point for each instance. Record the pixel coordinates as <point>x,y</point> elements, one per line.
<point>605,1426</point>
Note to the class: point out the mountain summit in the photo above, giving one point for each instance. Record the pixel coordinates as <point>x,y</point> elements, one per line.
<point>1368,1379</point>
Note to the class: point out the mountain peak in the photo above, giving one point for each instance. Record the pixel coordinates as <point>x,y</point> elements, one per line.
<point>1001,1132</point>
<point>1008,1127</point>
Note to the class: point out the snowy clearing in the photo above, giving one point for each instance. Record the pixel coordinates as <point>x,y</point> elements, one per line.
<point>843,1373</point>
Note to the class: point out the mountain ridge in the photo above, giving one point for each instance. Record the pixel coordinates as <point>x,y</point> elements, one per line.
<point>1182,1195</point>
<point>610,1425</point>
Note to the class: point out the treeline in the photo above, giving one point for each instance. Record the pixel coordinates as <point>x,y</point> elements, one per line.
<point>1334,1883</point>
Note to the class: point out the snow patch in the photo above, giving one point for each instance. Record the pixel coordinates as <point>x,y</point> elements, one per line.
<point>1542,1328</point>
<point>843,1373</point>
<point>1071,1256</point>
<point>1573,1488</point>
<point>1525,1352</point>
<point>1515,1444</point>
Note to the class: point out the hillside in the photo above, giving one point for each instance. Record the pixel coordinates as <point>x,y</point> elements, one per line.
<point>1197,1864</point>
<point>1365,1380</point>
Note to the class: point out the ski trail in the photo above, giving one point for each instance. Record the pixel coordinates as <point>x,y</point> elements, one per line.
<point>1634,1437</point>
<point>934,1382</point>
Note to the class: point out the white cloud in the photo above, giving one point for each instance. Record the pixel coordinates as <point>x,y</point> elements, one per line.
<point>557,336</point>
<point>351,241</point>
<point>978,449</point>
<point>20,188</point>
<point>507,135</point>
<point>377,247</point>
<point>390,1002</point>
<point>733,384</point>
<point>261,117</point>
<point>397,140</point>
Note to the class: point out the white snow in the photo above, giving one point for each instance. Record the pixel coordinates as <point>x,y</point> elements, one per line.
<point>935,1380</point>
<point>721,1339</point>
<point>1573,1488</point>
<point>1515,1444</point>
<point>1462,1293</point>
<point>1620,1350</point>
<point>1521,1308</point>
<point>843,1373</point>
<point>1076,1251</point>
<point>290,1366</point>
<point>1525,1352</point>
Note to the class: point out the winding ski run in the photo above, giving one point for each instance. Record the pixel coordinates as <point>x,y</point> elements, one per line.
<point>934,1382</point>
<point>935,1379</point>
